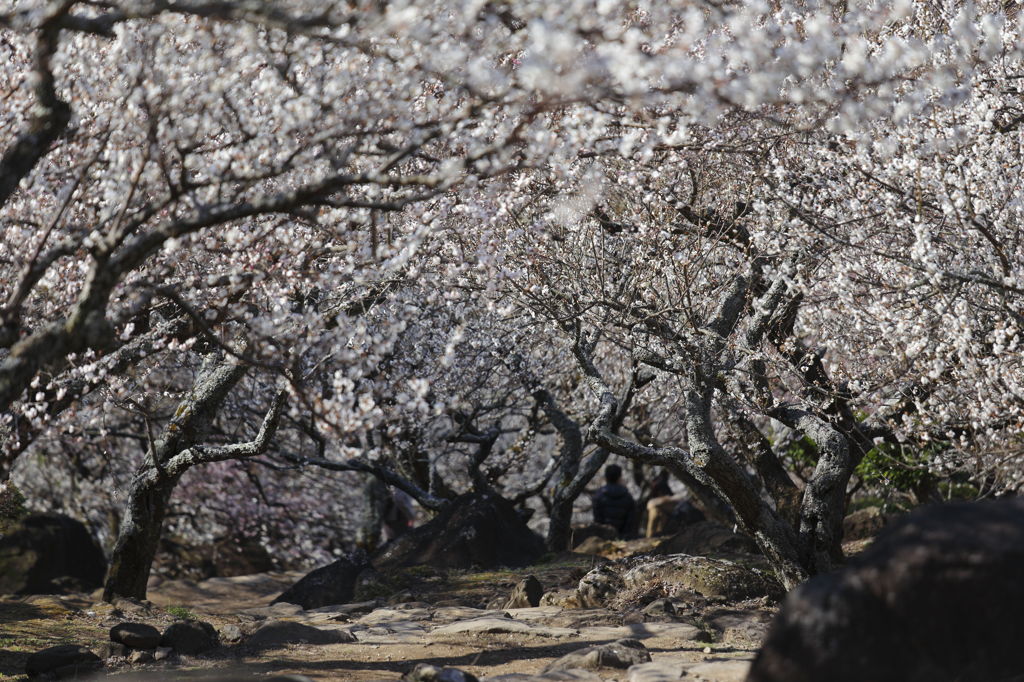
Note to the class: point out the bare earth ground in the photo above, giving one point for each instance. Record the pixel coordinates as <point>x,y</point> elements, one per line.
<point>438,621</point>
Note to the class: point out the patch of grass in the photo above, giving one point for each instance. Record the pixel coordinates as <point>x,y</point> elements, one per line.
<point>181,613</point>
<point>30,627</point>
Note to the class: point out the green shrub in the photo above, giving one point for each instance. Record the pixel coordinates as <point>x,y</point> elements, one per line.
<point>181,613</point>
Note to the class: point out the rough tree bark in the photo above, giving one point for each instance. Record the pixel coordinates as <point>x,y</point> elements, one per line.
<point>169,457</point>
<point>574,471</point>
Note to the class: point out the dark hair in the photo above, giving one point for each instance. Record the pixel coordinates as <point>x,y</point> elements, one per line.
<point>612,473</point>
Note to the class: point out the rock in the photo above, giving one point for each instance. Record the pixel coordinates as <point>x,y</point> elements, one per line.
<point>598,546</point>
<point>328,585</point>
<point>62,661</point>
<point>566,599</point>
<point>655,671</point>
<point>232,634</point>
<point>600,584</point>
<point>240,555</point>
<point>231,556</point>
<point>526,594</point>
<point>141,656</point>
<point>50,554</point>
<point>706,538</point>
<point>474,530</point>
<point>864,523</point>
<point>739,627</point>
<point>660,607</point>
<point>720,671</point>
<point>107,650</point>
<point>279,633</point>
<point>346,611</point>
<point>634,581</point>
<point>162,652</point>
<point>622,653</point>
<point>190,638</point>
<point>711,578</point>
<point>601,531</point>
<point>424,672</point>
<point>494,624</point>
<point>135,635</point>
<point>937,596</point>
<point>575,675</point>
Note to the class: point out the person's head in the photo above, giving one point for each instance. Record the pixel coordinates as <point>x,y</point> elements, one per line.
<point>612,473</point>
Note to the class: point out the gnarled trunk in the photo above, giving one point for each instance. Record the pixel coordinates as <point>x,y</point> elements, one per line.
<point>139,535</point>
<point>154,483</point>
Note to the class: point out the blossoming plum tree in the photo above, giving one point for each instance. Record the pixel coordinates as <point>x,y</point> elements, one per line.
<point>746,221</point>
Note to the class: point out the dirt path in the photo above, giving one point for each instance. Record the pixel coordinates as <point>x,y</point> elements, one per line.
<point>713,643</point>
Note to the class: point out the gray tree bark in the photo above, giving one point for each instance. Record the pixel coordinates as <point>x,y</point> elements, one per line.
<point>171,456</point>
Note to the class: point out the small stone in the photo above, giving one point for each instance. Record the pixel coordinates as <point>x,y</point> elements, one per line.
<point>424,672</point>
<point>707,650</point>
<point>141,656</point>
<point>622,653</point>
<point>526,594</point>
<point>135,635</point>
<point>189,638</point>
<point>660,607</point>
<point>232,634</point>
<point>162,652</point>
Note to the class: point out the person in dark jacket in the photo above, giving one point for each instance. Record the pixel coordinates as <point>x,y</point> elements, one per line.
<point>613,505</point>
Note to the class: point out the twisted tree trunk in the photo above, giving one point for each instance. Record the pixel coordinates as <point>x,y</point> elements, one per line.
<point>170,457</point>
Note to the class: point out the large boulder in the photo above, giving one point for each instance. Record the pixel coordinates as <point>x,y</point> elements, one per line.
<point>50,554</point>
<point>711,578</point>
<point>230,556</point>
<point>328,585</point>
<point>640,579</point>
<point>479,530</point>
<point>937,596</point>
<point>707,538</point>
